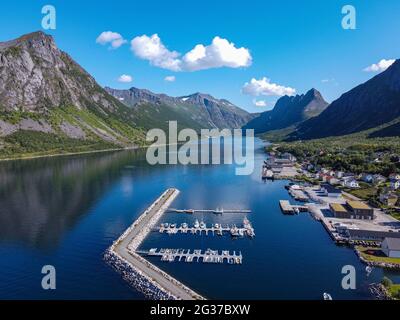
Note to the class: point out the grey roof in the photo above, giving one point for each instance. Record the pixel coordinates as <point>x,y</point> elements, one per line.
<point>330,189</point>
<point>393,243</point>
<point>372,234</point>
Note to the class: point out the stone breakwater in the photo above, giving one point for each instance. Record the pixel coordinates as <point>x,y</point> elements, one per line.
<point>379,291</point>
<point>139,272</point>
<point>149,288</point>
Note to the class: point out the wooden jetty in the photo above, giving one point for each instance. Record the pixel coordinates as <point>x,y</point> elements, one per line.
<point>185,255</point>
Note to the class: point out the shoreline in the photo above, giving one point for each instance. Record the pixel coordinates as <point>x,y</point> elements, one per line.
<point>87,152</point>
<point>70,153</point>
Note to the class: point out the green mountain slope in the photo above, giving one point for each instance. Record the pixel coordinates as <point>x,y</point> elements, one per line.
<point>46,96</point>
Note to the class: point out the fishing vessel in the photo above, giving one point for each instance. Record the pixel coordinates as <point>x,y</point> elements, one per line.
<point>368,270</point>
<point>327,296</point>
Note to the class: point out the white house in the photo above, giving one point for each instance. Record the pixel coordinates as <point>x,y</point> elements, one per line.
<point>350,183</point>
<point>391,247</point>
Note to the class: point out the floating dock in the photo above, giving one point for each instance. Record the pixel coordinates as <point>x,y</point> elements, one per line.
<point>122,255</point>
<point>288,208</point>
<point>215,211</point>
<point>183,255</point>
<point>201,228</point>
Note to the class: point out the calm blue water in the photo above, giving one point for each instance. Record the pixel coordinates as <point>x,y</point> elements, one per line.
<point>66,211</point>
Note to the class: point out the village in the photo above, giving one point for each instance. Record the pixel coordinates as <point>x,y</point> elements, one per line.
<point>335,199</point>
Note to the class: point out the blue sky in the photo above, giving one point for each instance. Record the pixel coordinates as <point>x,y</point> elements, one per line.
<point>295,44</point>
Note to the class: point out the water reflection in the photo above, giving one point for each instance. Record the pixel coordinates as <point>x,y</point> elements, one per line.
<point>40,199</point>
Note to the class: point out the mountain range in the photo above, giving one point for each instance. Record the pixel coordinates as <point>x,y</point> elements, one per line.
<point>289,111</point>
<point>373,105</point>
<point>49,103</point>
<point>195,111</point>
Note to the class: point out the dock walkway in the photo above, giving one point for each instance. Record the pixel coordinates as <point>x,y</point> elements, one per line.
<point>208,256</point>
<point>125,249</point>
<point>215,211</point>
<point>219,230</point>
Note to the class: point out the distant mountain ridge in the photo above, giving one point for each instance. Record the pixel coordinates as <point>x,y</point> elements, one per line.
<point>289,111</point>
<point>370,105</point>
<point>197,110</point>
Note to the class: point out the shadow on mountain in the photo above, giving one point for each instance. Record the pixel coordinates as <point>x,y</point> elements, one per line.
<point>390,131</point>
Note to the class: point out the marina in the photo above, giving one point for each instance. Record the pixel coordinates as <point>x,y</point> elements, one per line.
<point>185,255</point>
<point>201,228</point>
<point>124,257</point>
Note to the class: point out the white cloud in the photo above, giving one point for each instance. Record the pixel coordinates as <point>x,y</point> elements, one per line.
<point>114,38</point>
<point>380,66</point>
<point>264,87</point>
<point>220,53</point>
<point>259,103</point>
<point>125,78</point>
<point>153,50</point>
<point>170,78</point>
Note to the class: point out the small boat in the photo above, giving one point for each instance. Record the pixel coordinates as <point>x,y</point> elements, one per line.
<point>202,225</point>
<point>184,225</point>
<point>368,270</point>
<point>296,210</point>
<point>234,231</point>
<point>196,224</point>
<point>327,296</point>
<point>173,225</point>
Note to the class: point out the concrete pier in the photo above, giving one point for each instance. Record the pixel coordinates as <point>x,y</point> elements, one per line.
<point>124,250</point>
<point>288,208</point>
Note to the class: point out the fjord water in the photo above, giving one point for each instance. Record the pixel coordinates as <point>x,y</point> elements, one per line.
<point>66,211</point>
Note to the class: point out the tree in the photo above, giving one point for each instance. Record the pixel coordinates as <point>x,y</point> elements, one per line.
<point>386,282</point>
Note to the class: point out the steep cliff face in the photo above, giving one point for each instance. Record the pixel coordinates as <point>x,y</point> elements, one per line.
<point>372,104</point>
<point>289,111</point>
<point>43,90</point>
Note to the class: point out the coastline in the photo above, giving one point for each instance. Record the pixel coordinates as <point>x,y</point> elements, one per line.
<point>69,153</point>
<point>86,152</point>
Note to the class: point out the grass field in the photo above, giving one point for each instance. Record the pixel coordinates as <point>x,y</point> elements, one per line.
<point>376,255</point>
